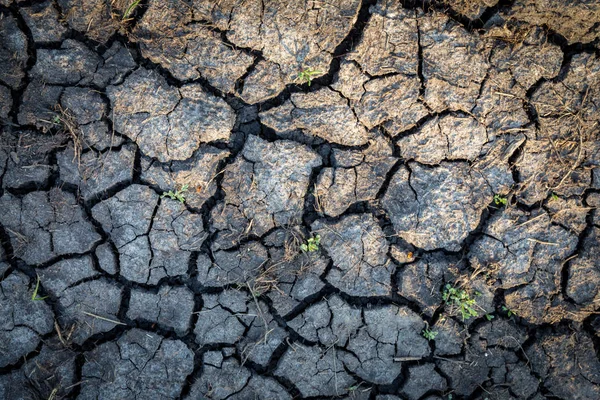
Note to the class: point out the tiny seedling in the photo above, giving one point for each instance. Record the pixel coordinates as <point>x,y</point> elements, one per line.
<point>500,200</point>
<point>130,9</point>
<point>312,244</point>
<point>460,299</point>
<point>307,75</point>
<point>35,296</point>
<point>489,317</point>
<point>553,197</point>
<point>429,334</point>
<point>56,120</point>
<point>508,311</point>
<point>178,194</point>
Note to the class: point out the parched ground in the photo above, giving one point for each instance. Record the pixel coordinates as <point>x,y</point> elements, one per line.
<point>265,199</point>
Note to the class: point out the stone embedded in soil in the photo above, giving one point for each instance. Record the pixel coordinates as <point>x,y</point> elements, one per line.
<point>72,64</point>
<point>329,322</point>
<point>22,321</point>
<point>423,280</point>
<point>43,20</point>
<point>97,173</point>
<point>198,172</point>
<point>436,207</point>
<point>314,371</point>
<point>355,176</point>
<point>265,187</point>
<point>167,122</point>
<point>421,379</point>
<point>389,334</point>
<point>567,365</point>
<point>451,137</point>
<point>224,378</point>
<point>29,161</point>
<point>223,318</point>
<point>89,308</point>
<point>454,63</point>
<point>358,248</point>
<point>13,52</point>
<point>324,113</point>
<point>140,364</point>
<point>39,103</point>
<point>239,266</point>
<point>45,225</point>
<point>170,307</point>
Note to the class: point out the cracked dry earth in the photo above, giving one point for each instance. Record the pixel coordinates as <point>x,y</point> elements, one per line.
<point>438,143</point>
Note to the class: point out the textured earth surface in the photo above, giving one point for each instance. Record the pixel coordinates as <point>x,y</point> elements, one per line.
<point>265,199</point>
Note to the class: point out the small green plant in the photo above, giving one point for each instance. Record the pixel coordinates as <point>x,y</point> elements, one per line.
<point>429,334</point>
<point>489,317</point>
<point>553,197</point>
<point>35,296</point>
<point>508,311</point>
<point>460,299</point>
<point>500,200</point>
<point>56,120</point>
<point>130,9</point>
<point>307,75</point>
<point>178,194</point>
<point>312,244</point>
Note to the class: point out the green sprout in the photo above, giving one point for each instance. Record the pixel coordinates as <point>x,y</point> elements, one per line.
<point>130,9</point>
<point>35,296</point>
<point>312,244</point>
<point>553,197</point>
<point>500,200</point>
<point>489,317</point>
<point>462,300</point>
<point>177,194</point>
<point>429,334</point>
<point>307,75</point>
<point>508,311</point>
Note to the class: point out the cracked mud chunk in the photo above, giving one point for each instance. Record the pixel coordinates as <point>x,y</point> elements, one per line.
<point>198,172</point>
<point>117,62</point>
<point>4,265</point>
<point>43,20</point>
<point>329,322</point>
<point>84,105</point>
<point>6,102</point>
<point>450,337</point>
<point>107,258</point>
<point>390,41</point>
<point>166,122</point>
<point>223,318</point>
<point>355,176</point>
<point>583,284</point>
<point>314,371</point>
<point>472,9</point>
<point>148,255</point>
<point>65,274</point>
<point>171,307</point>
<point>569,213</point>
<point>436,207</point>
<point>94,18</point>
<point>13,52</point>
<point>421,379</point>
<point>39,103</point>
<point>168,36</point>
<point>567,365</point>
<point>264,188</point>
<point>224,378</point>
<point>28,163</point>
<point>451,137</point>
<point>140,365</point>
<point>295,274</point>
<point>239,266</point>
<point>526,252</point>
<point>454,64</point>
<point>72,64</point>
<point>358,248</point>
<point>263,337</point>
<point>423,280</point>
<point>22,321</point>
<point>45,225</point>
<point>577,21</point>
<point>264,82</point>
<point>324,113</point>
<point>97,173</point>
<point>89,308</point>
<point>389,335</point>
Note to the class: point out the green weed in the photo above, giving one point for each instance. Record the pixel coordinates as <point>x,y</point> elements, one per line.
<point>178,194</point>
<point>35,296</point>
<point>460,299</point>
<point>130,9</point>
<point>312,244</point>
<point>508,311</point>
<point>429,334</point>
<point>500,200</point>
<point>307,75</point>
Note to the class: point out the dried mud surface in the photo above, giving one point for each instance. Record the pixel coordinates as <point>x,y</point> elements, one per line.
<point>437,144</point>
